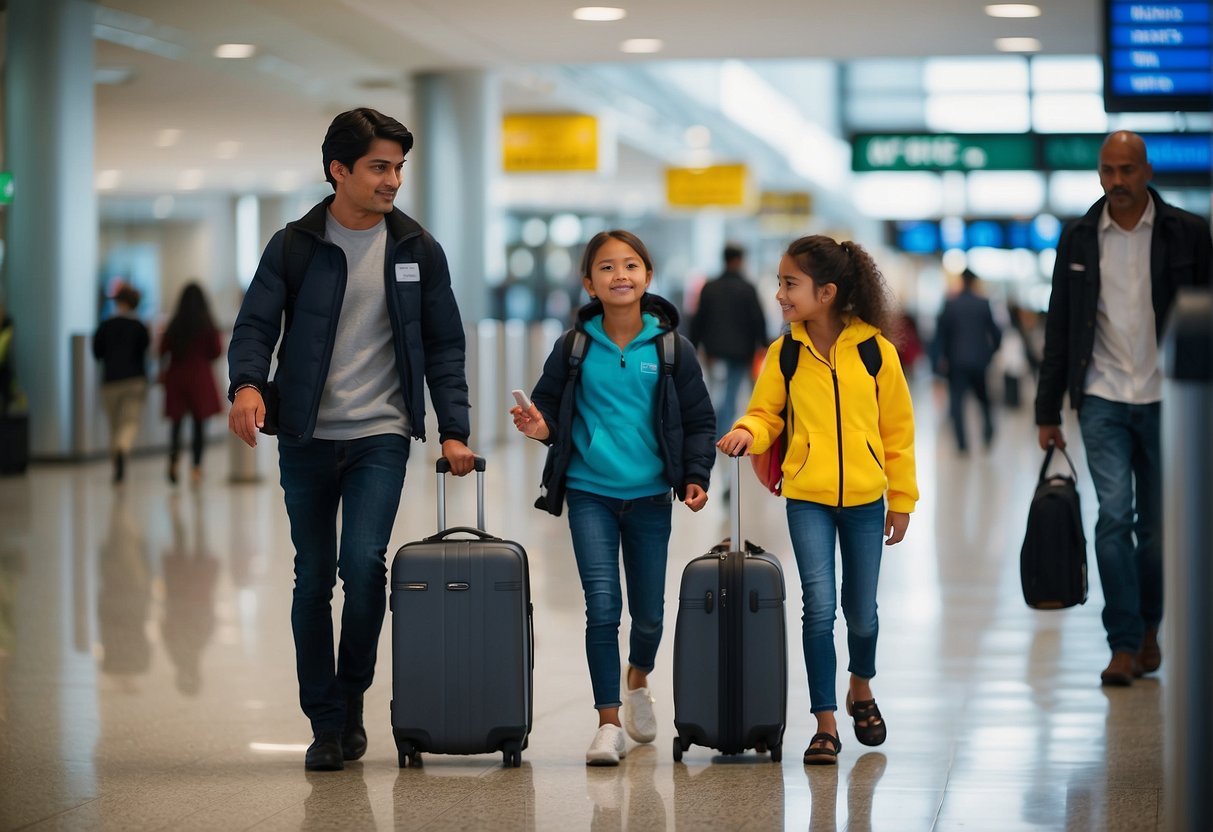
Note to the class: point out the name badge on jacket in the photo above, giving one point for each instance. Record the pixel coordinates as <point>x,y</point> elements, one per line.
<point>408,273</point>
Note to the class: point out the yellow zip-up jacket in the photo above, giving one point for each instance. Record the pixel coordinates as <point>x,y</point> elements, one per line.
<point>834,396</point>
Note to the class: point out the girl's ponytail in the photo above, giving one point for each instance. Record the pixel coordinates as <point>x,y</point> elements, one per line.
<point>862,291</point>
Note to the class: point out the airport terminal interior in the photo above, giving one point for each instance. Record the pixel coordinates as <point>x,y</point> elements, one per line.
<point>149,671</point>
<point>147,668</point>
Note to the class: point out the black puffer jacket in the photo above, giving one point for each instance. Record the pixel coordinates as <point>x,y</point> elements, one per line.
<point>427,333</point>
<point>684,421</point>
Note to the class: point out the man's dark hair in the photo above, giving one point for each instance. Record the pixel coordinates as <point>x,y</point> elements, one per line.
<point>968,277</point>
<point>733,253</point>
<point>351,133</point>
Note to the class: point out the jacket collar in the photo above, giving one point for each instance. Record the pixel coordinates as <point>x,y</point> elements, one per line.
<point>399,224</point>
<point>1091,219</point>
<point>657,306</point>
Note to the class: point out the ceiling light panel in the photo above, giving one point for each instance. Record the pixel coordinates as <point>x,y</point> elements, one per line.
<point>641,46</point>
<point>599,14</point>
<point>235,50</point>
<point>1013,10</point>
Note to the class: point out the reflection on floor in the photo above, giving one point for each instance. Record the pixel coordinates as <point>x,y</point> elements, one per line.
<point>147,678</point>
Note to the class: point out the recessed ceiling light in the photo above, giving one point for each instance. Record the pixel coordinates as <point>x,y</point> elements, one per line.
<point>227,150</point>
<point>235,50</point>
<point>168,137</point>
<point>599,13</point>
<point>1017,44</point>
<point>112,75</point>
<point>641,46</point>
<point>1016,10</point>
<point>190,179</point>
<point>107,180</point>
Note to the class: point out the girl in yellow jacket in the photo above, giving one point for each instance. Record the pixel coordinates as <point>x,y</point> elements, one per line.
<point>849,448</point>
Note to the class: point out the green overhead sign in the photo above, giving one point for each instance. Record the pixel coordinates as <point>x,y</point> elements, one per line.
<point>1184,155</point>
<point>6,187</point>
<point>941,151</point>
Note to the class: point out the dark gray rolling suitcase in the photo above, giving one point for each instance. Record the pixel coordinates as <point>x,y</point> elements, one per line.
<point>461,641</point>
<point>730,649</point>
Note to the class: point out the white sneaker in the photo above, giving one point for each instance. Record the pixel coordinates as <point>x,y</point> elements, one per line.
<point>638,717</point>
<point>608,747</point>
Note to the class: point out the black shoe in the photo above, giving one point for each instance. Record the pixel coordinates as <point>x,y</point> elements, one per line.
<point>353,738</point>
<point>324,754</point>
<point>119,467</point>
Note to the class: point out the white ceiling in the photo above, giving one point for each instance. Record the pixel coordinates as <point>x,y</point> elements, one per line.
<point>318,57</point>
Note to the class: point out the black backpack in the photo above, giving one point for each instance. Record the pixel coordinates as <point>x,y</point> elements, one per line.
<point>1053,559</point>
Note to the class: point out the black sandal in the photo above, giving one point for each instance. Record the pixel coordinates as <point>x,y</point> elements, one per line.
<point>822,755</point>
<point>874,731</point>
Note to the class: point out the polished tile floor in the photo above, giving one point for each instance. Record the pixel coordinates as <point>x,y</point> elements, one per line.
<point>147,680</point>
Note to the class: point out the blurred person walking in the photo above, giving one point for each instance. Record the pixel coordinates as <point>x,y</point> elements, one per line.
<point>190,344</point>
<point>1117,272</point>
<point>120,344</point>
<point>966,339</point>
<point>731,327</point>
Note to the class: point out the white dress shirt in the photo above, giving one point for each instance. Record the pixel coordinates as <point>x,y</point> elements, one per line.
<point>1124,364</point>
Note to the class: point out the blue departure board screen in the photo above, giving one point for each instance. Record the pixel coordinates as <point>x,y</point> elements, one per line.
<point>1157,56</point>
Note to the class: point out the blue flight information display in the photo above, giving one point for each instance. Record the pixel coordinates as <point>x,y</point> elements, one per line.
<point>1158,57</point>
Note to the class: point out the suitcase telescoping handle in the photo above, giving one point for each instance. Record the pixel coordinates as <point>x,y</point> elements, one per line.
<point>735,507</point>
<point>442,467</point>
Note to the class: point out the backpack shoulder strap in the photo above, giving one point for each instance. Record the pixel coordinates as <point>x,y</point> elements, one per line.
<point>667,351</point>
<point>297,251</point>
<point>574,350</point>
<point>789,357</point>
<point>869,351</point>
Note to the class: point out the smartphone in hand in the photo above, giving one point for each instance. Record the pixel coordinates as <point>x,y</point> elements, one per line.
<point>522,399</point>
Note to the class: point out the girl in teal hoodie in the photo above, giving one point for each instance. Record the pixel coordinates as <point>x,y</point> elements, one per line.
<point>629,429</point>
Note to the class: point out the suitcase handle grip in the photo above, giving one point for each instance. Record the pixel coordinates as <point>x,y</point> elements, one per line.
<point>443,465</point>
<point>480,533</point>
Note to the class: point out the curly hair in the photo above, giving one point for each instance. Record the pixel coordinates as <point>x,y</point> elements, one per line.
<point>862,291</point>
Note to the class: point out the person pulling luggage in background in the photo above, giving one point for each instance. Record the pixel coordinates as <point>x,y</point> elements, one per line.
<point>370,315</point>
<point>624,429</point>
<point>862,451</point>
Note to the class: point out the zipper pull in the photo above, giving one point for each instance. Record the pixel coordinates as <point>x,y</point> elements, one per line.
<point>622,362</point>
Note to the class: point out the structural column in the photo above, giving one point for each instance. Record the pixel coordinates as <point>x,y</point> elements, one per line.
<point>453,168</point>
<point>51,262</point>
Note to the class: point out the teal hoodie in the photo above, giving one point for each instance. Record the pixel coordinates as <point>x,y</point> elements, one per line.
<point>615,451</point>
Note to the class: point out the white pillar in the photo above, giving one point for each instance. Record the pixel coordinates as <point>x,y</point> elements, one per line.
<point>51,266</point>
<point>457,158</point>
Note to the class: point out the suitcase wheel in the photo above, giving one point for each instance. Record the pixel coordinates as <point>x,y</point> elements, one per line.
<point>776,753</point>
<point>511,754</point>
<point>679,747</point>
<point>407,755</point>
<point>760,747</point>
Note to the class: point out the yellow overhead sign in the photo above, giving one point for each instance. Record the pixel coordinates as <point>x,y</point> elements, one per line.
<point>716,186</point>
<point>546,142</point>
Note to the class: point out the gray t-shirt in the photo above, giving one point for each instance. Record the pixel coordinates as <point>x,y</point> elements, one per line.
<point>362,395</point>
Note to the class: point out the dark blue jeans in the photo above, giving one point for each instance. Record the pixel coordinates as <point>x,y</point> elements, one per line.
<point>599,525</point>
<point>364,477</point>
<point>1124,453</point>
<point>858,531</point>
<point>736,374</point>
<point>960,381</point>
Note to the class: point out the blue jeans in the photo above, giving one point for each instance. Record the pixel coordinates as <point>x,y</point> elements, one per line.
<point>1125,457</point>
<point>859,531</point>
<point>364,477</point>
<point>960,381</point>
<point>599,525</point>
